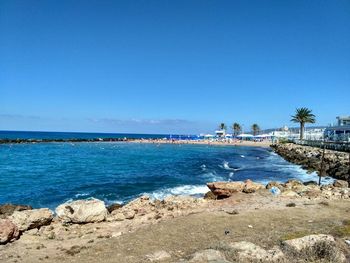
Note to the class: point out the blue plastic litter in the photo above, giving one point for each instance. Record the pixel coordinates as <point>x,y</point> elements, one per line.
<point>275,191</point>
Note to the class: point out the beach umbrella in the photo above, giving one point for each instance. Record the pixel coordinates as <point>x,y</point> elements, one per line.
<point>245,135</point>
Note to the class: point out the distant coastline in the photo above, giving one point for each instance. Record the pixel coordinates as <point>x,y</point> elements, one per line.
<point>19,137</point>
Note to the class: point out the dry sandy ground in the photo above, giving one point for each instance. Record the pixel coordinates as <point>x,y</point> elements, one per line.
<point>261,219</point>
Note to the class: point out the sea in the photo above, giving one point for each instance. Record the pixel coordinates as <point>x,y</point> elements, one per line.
<point>48,174</point>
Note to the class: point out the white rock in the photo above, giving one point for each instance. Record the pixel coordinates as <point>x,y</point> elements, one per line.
<point>299,244</point>
<point>29,219</point>
<point>158,256</point>
<point>248,252</point>
<point>207,255</point>
<point>82,211</point>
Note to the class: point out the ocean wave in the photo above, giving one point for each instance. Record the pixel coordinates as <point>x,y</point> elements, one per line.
<point>81,195</point>
<point>226,166</point>
<point>191,190</point>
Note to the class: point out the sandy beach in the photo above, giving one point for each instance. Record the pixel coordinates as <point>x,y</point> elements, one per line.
<point>208,142</point>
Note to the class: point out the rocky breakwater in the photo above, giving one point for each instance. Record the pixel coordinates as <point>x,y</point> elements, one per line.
<point>290,189</point>
<point>336,164</point>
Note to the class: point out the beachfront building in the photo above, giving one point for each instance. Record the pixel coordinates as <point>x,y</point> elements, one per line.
<point>314,134</point>
<point>220,133</point>
<point>343,120</point>
<point>341,132</point>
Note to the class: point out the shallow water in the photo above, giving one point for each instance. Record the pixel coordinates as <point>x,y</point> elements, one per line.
<point>47,174</point>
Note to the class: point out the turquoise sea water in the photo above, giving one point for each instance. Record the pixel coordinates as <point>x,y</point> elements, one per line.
<point>47,174</point>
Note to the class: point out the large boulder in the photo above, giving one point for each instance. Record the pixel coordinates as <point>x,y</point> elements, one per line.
<point>249,252</point>
<point>251,187</point>
<point>225,189</point>
<point>298,244</point>
<point>8,209</point>
<point>8,231</point>
<point>29,219</point>
<point>82,211</point>
<point>314,248</point>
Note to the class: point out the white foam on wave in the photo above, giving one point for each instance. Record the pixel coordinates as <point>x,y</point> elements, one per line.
<point>81,195</point>
<point>191,190</point>
<point>111,202</point>
<point>226,166</point>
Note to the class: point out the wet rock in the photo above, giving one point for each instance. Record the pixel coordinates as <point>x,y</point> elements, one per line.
<point>29,219</point>
<point>158,256</point>
<point>341,184</point>
<point>208,255</point>
<point>8,231</point>
<point>82,211</point>
<point>8,209</point>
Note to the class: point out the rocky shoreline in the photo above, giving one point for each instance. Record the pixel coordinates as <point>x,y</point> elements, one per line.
<point>336,164</point>
<point>77,224</point>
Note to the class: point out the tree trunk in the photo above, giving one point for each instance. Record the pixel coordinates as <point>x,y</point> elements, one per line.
<point>302,130</point>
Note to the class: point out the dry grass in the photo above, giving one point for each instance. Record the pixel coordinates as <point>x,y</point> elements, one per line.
<point>343,230</point>
<point>298,234</point>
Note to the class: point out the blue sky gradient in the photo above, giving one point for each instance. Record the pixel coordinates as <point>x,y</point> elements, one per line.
<point>171,66</point>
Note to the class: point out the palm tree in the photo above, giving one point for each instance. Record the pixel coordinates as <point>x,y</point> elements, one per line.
<point>222,126</point>
<point>302,116</point>
<point>236,128</point>
<point>255,129</point>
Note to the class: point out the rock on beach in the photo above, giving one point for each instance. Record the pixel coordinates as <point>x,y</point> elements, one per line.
<point>30,219</point>
<point>8,231</point>
<point>82,211</point>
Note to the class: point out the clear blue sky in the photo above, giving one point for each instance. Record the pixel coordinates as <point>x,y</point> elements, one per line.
<point>171,66</point>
